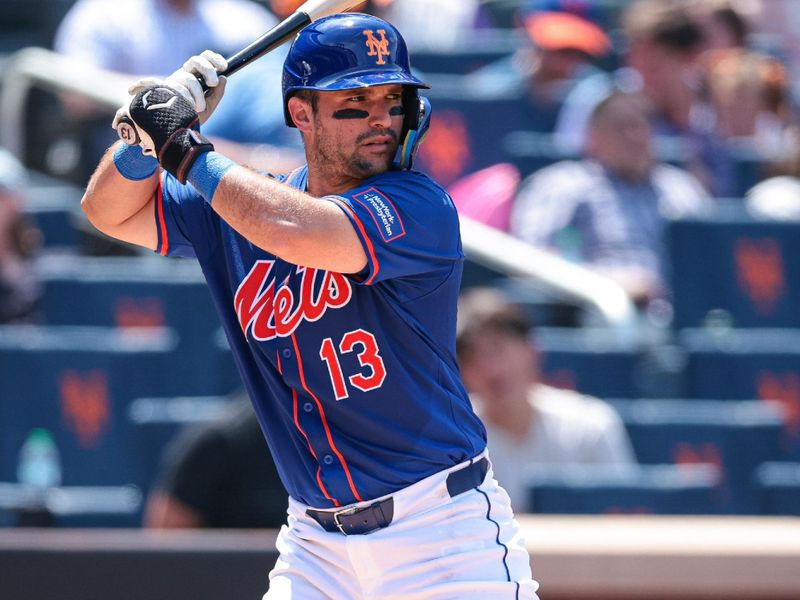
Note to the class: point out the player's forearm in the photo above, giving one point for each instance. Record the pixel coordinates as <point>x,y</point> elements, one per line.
<point>114,194</point>
<point>297,227</point>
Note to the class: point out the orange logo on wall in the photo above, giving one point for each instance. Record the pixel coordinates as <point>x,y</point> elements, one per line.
<point>701,454</point>
<point>784,389</point>
<point>377,46</point>
<point>445,153</point>
<point>139,312</point>
<point>85,405</point>
<point>759,270</point>
<point>705,453</point>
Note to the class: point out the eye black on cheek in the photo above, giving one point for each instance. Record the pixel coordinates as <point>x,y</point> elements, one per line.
<point>350,113</point>
<point>397,111</point>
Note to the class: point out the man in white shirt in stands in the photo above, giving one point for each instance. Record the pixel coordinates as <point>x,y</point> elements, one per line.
<point>529,425</point>
<point>610,209</point>
<point>155,37</point>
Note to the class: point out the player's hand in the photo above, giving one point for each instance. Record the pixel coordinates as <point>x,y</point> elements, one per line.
<point>184,80</point>
<point>168,128</point>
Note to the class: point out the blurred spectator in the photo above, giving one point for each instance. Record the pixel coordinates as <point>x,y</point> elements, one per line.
<point>248,126</point>
<point>155,37</point>
<point>609,209</point>
<point>565,41</point>
<point>283,8</point>
<point>778,196</point>
<point>726,23</point>
<point>776,30</point>
<point>19,240</point>
<point>741,120</point>
<point>450,26</point>
<point>748,94</point>
<point>664,41</point>
<point>664,45</point>
<point>528,424</point>
<point>219,475</point>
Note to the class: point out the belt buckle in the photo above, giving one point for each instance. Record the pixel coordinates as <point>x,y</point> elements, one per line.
<point>345,511</point>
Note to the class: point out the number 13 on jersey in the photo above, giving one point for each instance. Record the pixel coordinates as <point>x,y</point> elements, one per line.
<point>373,371</point>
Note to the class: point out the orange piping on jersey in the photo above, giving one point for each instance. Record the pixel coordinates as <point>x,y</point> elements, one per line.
<point>314,454</point>
<point>360,225</point>
<point>161,222</point>
<point>278,357</point>
<point>324,421</point>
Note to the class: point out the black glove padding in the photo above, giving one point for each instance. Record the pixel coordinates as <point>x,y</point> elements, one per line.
<point>172,124</point>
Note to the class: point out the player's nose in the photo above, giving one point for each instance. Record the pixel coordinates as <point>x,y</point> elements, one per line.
<point>379,116</point>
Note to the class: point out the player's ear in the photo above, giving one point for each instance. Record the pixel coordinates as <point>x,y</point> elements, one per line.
<point>300,111</point>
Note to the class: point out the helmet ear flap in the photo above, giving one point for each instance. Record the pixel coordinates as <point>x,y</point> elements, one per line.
<point>415,126</point>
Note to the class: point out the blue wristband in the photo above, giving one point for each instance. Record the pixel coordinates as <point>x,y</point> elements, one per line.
<point>207,171</point>
<point>132,164</point>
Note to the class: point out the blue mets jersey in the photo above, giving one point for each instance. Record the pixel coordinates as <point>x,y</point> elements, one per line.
<point>353,377</point>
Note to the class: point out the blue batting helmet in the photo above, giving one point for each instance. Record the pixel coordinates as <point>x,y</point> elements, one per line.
<point>346,51</point>
<point>350,50</point>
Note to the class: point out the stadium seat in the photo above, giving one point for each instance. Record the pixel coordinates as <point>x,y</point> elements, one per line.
<point>70,506</point>
<point>733,267</point>
<point>28,23</point>
<point>477,50</point>
<point>128,292</point>
<point>649,489</point>
<point>468,129</point>
<point>735,436</point>
<point>530,150</point>
<point>78,383</point>
<point>741,364</point>
<point>54,209</point>
<point>589,361</point>
<point>778,487</point>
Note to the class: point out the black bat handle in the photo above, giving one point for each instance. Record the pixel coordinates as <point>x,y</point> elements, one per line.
<point>126,131</point>
<point>266,43</point>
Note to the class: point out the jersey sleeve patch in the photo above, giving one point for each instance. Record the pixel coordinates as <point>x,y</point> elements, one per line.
<point>383,212</point>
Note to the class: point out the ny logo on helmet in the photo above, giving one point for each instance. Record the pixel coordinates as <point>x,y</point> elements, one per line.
<point>377,46</point>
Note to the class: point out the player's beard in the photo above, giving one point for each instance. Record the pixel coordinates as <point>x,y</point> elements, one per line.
<point>354,161</point>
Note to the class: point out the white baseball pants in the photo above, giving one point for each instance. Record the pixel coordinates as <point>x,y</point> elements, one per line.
<point>435,548</point>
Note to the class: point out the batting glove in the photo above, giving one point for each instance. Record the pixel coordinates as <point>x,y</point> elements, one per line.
<point>168,128</point>
<point>184,80</point>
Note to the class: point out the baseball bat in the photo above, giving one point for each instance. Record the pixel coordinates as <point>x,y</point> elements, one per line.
<point>306,13</point>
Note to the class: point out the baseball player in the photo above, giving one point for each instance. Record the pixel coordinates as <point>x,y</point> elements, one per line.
<point>336,286</point>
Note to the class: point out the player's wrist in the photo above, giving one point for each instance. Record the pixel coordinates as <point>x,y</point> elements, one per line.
<point>132,164</point>
<point>182,150</point>
<point>207,171</point>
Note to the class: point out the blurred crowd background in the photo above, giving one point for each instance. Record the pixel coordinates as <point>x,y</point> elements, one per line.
<point>652,143</point>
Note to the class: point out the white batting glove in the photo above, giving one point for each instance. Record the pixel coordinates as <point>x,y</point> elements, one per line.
<point>184,81</point>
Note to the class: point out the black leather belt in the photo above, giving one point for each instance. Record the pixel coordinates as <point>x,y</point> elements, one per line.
<point>366,519</point>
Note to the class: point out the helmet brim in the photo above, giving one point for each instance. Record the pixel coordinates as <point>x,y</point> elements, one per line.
<point>369,79</point>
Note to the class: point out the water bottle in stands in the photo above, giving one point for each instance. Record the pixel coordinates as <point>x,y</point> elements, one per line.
<point>39,463</point>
